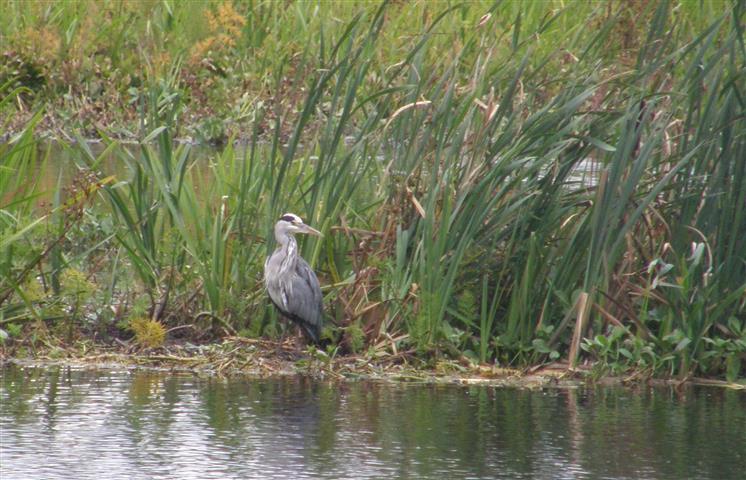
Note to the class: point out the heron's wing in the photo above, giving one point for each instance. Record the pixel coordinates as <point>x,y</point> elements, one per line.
<point>304,271</point>
<point>305,302</point>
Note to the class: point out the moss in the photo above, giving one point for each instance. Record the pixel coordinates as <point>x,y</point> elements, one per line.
<point>148,333</point>
<point>75,285</point>
<point>356,337</point>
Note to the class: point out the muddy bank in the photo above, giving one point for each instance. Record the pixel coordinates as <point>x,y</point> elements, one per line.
<point>237,356</point>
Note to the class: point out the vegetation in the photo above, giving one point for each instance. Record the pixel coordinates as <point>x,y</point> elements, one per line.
<point>511,182</point>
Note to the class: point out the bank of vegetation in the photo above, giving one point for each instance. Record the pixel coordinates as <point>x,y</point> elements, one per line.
<point>515,183</point>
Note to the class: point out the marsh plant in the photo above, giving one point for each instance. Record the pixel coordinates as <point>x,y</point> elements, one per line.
<point>504,183</point>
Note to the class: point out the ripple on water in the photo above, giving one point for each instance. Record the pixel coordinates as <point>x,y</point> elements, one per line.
<point>62,423</point>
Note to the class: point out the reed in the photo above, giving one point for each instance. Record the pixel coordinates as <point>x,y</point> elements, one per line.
<point>543,190</point>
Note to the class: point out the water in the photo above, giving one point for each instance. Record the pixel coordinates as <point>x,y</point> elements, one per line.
<point>68,423</point>
<point>63,168</point>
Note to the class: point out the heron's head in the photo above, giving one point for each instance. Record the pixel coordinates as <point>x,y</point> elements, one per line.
<point>290,223</point>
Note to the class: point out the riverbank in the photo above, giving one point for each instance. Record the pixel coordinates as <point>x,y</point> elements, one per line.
<point>257,358</point>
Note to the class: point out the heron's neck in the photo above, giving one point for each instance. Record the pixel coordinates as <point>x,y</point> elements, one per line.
<point>285,240</point>
<point>289,249</point>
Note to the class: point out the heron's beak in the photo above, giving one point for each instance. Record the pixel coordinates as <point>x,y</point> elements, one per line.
<point>310,230</point>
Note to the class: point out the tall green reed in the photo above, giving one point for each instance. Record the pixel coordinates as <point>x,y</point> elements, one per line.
<point>19,189</point>
<point>465,173</point>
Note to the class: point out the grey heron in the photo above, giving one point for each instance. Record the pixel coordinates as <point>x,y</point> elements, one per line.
<point>291,284</point>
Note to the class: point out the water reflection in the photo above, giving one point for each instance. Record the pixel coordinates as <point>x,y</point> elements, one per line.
<point>70,423</point>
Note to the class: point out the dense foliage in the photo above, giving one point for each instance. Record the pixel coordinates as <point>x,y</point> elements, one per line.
<point>515,182</point>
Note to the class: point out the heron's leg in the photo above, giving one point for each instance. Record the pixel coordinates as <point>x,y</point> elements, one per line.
<point>293,336</point>
<point>300,339</point>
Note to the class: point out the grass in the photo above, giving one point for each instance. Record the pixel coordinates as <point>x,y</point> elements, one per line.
<point>441,150</point>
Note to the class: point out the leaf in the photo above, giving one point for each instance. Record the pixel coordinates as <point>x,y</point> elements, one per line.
<point>683,343</point>
<point>625,353</point>
<point>516,31</point>
<point>734,325</point>
<point>152,135</point>
<point>20,233</point>
<point>697,251</point>
<point>540,346</point>
<point>665,269</point>
<point>601,145</point>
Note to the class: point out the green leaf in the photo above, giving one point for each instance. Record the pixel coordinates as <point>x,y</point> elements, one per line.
<point>683,343</point>
<point>601,145</point>
<point>154,134</point>
<point>625,353</point>
<point>540,346</point>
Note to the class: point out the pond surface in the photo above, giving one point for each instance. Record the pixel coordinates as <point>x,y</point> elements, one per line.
<point>68,423</point>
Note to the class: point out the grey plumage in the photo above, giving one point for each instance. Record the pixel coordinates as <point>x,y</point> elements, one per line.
<point>291,284</point>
